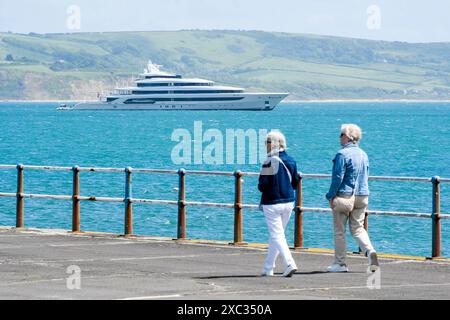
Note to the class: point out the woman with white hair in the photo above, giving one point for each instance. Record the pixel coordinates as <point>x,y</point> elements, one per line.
<point>349,197</point>
<point>277,181</point>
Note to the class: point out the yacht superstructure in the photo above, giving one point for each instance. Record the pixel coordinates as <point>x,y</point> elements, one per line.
<point>158,90</point>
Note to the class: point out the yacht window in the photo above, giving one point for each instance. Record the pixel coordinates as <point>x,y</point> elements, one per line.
<point>170,84</point>
<point>186,91</point>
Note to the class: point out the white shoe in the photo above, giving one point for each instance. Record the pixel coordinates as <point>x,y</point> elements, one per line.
<point>267,273</point>
<point>337,268</point>
<point>373,261</point>
<point>290,270</point>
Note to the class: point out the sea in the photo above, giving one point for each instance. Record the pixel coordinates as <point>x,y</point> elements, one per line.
<point>409,139</point>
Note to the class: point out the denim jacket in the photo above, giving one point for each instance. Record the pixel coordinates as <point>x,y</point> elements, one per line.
<point>350,162</point>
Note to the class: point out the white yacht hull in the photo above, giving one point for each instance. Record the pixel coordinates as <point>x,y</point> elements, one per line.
<point>249,101</point>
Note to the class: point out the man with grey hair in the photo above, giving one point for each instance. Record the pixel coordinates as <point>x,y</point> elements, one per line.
<point>349,197</point>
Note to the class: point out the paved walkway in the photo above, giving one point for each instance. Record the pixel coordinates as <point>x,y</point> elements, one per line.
<point>38,264</point>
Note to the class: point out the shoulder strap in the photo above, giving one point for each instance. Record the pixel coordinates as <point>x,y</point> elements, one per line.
<point>287,170</point>
<point>359,173</point>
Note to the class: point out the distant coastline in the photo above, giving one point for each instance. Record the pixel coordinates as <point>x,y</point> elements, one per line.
<point>78,65</point>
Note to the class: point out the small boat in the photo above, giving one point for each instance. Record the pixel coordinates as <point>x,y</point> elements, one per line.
<point>64,107</point>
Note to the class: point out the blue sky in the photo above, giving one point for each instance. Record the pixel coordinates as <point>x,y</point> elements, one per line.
<point>393,20</point>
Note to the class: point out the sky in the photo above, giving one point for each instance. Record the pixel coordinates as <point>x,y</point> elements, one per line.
<point>392,20</point>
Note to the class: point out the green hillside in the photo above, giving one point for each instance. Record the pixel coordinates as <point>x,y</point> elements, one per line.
<point>77,66</point>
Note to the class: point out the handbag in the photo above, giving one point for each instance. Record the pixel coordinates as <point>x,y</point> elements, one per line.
<point>344,205</point>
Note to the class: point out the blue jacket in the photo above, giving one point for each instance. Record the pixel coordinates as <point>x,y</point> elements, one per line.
<point>277,188</point>
<point>349,163</point>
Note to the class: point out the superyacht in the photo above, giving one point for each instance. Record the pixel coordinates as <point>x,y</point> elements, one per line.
<point>158,90</point>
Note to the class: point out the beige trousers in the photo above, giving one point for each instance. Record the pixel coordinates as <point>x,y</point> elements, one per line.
<point>352,209</point>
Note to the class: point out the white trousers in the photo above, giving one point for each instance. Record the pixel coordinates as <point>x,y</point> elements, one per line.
<point>277,217</point>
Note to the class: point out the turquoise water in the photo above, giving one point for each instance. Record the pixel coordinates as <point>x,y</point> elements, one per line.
<point>401,139</point>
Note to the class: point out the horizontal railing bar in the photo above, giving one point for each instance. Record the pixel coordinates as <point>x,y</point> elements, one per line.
<point>213,173</point>
<point>390,178</point>
<point>46,196</point>
<point>382,213</point>
<point>250,206</point>
<point>379,178</point>
<point>8,194</point>
<point>155,171</point>
<point>209,204</point>
<point>87,169</point>
<point>100,199</point>
<point>315,176</point>
<point>48,168</point>
<point>406,214</point>
<point>371,212</point>
<point>7,166</point>
<point>151,201</point>
<point>399,214</point>
<point>202,172</point>
<point>250,174</point>
<point>306,209</point>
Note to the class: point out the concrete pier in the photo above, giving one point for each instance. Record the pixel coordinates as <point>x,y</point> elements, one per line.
<point>52,264</point>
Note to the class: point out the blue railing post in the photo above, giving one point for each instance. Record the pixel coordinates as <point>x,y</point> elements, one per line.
<point>128,202</point>
<point>181,230</point>
<point>436,219</point>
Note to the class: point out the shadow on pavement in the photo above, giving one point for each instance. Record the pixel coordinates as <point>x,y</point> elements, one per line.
<point>259,276</point>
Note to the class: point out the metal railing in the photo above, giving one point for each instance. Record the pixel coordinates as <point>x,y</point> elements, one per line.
<point>238,206</point>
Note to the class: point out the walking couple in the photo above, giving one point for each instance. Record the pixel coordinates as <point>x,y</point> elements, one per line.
<point>348,198</point>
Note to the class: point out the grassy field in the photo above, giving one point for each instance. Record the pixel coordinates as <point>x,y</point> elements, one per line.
<point>77,66</point>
